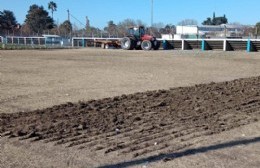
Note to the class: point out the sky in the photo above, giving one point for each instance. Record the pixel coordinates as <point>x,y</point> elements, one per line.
<point>100,12</point>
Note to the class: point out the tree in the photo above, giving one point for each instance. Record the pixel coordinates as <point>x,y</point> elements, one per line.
<point>168,29</point>
<point>249,31</point>
<point>257,29</point>
<point>236,23</point>
<point>158,25</point>
<point>140,23</point>
<point>111,28</point>
<point>53,7</point>
<point>215,20</point>
<point>25,30</point>
<point>187,22</point>
<point>220,20</point>
<point>38,19</point>
<point>65,28</point>
<point>125,24</point>
<point>8,21</point>
<point>208,21</point>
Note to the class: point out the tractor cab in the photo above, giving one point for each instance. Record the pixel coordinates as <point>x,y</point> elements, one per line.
<point>136,31</point>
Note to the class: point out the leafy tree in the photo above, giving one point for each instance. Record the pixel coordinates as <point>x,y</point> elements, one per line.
<point>220,20</point>
<point>215,20</point>
<point>38,19</point>
<point>53,7</point>
<point>8,21</point>
<point>208,21</point>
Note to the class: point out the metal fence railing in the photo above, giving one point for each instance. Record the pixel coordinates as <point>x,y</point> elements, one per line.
<point>35,41</point>
<point>186,44</point>
<point>181,44</point>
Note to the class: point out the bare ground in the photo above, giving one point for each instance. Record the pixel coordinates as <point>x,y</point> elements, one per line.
<point>197,126</point>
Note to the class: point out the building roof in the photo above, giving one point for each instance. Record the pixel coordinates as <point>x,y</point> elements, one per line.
<point>50,35</point>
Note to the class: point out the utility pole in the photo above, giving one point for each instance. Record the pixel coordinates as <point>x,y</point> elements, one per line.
<point>69,21</point>
<point>151,13</point>
<point>68,15</point>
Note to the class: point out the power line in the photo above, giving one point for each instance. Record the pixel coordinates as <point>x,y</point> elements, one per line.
<point>77,19</point>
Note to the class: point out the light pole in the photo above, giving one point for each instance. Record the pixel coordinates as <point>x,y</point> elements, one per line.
<point>151,13</point>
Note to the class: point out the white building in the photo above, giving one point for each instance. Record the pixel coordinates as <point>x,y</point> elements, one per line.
<point>218,31</point>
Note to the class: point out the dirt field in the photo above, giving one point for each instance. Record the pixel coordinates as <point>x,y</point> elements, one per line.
<point>195,125</point>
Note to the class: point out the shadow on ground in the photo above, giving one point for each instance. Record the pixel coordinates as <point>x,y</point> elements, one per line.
<point>171,156</point>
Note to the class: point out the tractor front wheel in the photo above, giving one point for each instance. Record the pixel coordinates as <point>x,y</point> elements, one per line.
<point>146,45</point>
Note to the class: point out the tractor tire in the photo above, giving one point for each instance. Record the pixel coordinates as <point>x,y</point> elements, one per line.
<point>127,43</point>
<point>146,45</point>
<point>156,44</point>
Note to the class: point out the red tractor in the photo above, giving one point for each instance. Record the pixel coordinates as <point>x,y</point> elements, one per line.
<point>137,39</point>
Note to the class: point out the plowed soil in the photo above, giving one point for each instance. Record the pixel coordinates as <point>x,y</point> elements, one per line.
<point>122,112</point>
<point>141,124</point>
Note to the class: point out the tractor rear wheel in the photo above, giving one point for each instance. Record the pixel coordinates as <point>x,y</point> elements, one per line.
<point>156,44</point>
<point>146,45</point>
<point>127,43</point>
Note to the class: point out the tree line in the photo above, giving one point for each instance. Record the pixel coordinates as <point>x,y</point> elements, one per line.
<point>36,23</point>
<point>39,22</point>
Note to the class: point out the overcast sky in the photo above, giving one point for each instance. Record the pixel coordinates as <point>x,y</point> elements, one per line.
<point>100,12</point>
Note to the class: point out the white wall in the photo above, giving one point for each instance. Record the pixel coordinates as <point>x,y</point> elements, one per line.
<point>186,30</point>
<point>167,36</point>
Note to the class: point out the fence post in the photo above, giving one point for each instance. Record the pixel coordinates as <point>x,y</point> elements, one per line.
<point>203,45</point>
<point>83,43</point>
<point>45,42</point>
<point>4,42</point>
<point>225,45</point>
<point>165,47</point>
<point>182,44</point>
<point>248,45</point>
